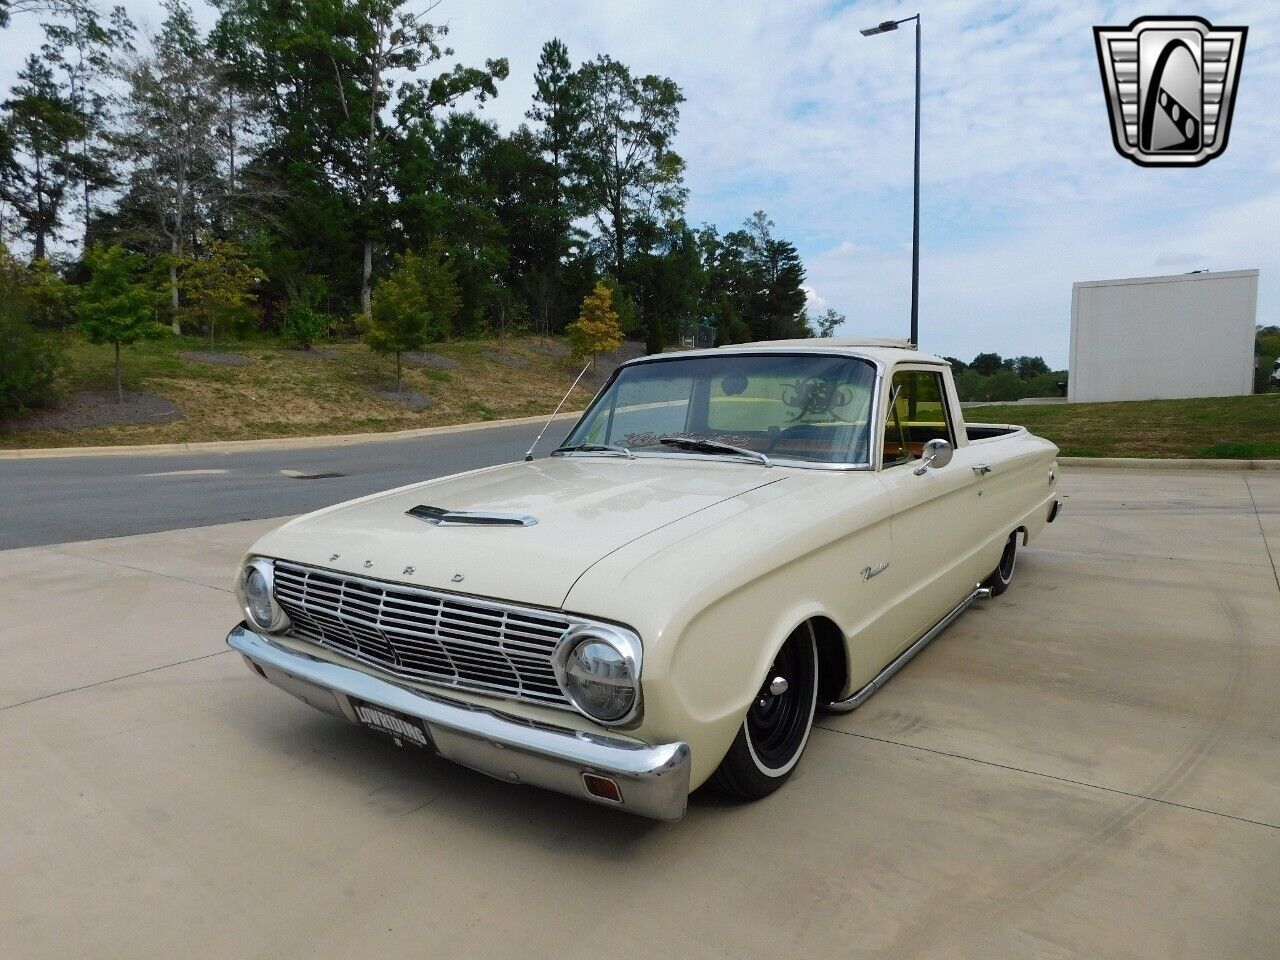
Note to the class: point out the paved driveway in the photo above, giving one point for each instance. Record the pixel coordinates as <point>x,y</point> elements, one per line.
<point>1087,766</point>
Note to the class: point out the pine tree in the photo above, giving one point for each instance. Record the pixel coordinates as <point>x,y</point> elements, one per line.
<point>41,127</point>
<point>596,329</point>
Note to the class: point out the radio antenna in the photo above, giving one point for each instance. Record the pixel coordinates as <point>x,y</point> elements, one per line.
<point>529,455</point>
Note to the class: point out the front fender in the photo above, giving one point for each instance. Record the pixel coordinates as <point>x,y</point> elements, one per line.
<point>715,596</point>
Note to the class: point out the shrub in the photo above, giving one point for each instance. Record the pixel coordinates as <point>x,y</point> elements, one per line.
<point>304,323</point>
<point>28,363</point>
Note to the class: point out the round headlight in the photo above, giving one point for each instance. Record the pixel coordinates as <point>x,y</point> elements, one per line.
<point>598,672</point>
<point>256,596</point>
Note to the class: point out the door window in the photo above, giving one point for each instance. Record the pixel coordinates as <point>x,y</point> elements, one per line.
<point>917,412</point>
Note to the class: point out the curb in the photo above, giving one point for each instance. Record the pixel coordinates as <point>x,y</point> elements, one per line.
<point>272,443</point>
<point>1155,463</point>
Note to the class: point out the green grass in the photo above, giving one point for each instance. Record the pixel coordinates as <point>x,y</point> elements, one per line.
<point>1227,428</point>
<point>282,394</point>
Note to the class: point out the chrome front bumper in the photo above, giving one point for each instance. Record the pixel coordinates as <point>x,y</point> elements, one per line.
<point>654,780</point>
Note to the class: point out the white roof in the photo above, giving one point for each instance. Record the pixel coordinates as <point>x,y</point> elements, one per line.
<point>897,343</point>
<point>882,350</point>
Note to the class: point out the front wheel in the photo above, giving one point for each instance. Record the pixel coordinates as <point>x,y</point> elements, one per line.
<point>1002,575</point>
<point>778,722</point>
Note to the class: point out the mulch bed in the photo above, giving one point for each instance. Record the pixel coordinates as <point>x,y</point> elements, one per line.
<point>91,409</point>
<point>432,360</point>
<point>407,398</point>
<point>217,358</point>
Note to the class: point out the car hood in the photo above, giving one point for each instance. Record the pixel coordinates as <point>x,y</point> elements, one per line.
<point>585,508</point>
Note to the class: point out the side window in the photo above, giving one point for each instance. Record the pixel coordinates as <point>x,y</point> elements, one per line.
<point>917,413</point>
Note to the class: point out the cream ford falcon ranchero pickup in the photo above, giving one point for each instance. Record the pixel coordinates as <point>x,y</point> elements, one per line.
<point>727,541</point>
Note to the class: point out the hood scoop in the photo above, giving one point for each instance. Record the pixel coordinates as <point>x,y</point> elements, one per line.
<point>440,517</point>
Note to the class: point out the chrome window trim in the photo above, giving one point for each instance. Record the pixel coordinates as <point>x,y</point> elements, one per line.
<point>574,623</point>
<point>870,464</point>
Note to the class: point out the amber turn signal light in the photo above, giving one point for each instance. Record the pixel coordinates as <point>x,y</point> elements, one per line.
<point>602,787</point>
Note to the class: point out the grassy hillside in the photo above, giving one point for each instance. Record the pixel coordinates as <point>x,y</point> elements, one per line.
<point>281,392</point>
<point>1246,428</point>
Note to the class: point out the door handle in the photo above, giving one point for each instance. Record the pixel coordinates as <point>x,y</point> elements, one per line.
<point>982,469</point>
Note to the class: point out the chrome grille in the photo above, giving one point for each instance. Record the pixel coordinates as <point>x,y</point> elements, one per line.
<point>425,635</point>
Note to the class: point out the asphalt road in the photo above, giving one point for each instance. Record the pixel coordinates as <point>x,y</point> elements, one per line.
<point>61,499</point>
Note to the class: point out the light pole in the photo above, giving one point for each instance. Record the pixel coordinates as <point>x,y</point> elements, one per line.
<point>915,212</point>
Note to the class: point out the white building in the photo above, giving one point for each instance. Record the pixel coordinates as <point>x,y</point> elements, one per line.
<point>1158,338</point>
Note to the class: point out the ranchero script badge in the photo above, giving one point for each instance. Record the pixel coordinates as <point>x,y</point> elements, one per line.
<point>1170,84</point>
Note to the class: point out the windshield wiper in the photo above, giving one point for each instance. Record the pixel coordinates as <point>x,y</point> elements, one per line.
<point>597,448</point>
<point>714,446</point>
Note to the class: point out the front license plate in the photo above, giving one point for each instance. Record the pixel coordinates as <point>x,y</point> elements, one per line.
<point>400,727</point>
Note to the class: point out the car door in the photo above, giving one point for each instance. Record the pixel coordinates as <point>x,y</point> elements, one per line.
<point>937,518</point>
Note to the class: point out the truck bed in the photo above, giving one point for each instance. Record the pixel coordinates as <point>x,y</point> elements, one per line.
<point>990,431</point>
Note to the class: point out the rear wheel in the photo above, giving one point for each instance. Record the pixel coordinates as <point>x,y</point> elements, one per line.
<point>778,722</point>
<point>1002,575</point>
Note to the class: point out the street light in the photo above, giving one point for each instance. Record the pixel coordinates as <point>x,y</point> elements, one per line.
<point>885,27</point>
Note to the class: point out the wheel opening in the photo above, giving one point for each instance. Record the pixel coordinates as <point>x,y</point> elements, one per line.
<point>833,665</point>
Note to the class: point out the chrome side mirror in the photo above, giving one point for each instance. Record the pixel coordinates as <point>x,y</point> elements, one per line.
<point>937,454</point>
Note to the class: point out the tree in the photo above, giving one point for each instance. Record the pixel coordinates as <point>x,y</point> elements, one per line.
<point>52,7</point>
<point>171,134</point>
<point>304,323</point>
<point>623,161</point>
<point>986,363</point>
<point>114,307</point>
<point>41,126</point>
<point>1028,367</point>
<point>667,281</point>
<point>596,329</point>
<point>386,43</point>
<point>558,107</point>
<point>219,286</point>
<point>82,50</point>
<point>776,310</point>
<point>411,305</point>
<point>50,298</point>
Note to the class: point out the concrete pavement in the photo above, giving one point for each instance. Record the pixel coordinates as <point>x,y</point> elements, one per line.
<point>1087,766</point>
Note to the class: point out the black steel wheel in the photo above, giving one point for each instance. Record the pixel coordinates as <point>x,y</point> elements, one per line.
<point>1002,575</point>
<point>776,728</point>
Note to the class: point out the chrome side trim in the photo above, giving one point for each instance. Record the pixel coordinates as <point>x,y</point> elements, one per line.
<point>654,780</point>
<point>900,661</point>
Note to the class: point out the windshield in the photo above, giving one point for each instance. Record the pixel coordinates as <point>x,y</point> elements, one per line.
<point>786,406</point>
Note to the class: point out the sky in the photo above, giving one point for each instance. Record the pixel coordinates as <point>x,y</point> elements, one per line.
<point>791,111</point>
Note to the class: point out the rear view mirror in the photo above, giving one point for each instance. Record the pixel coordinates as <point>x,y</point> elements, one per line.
<point>936,454</point>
